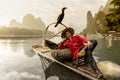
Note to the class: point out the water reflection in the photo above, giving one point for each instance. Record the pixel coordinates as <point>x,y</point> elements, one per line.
<point>16,59</point>
<point>15,45</point>
<point>109,43</point>
<point>108,53</point>
<point>17,62</point>
<point>19,76</point>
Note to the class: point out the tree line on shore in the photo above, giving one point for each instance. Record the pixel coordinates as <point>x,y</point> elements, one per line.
<point>21,31</point>
<point>113,17</point>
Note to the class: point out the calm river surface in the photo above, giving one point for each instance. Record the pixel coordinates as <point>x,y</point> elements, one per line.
<point>17,62</point>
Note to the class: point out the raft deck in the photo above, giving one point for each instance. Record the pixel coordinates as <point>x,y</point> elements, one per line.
<point>85,70</point>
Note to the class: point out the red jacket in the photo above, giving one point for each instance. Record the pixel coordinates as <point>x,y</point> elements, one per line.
<point>75,44</point>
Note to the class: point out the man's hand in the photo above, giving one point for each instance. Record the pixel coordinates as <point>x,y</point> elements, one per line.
<point>64,39</point>
<point>90,45</point>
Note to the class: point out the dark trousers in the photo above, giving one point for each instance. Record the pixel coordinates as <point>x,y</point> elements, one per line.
<point>89,57</point>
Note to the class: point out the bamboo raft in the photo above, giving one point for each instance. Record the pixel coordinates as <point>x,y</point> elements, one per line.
<point>85,70</point>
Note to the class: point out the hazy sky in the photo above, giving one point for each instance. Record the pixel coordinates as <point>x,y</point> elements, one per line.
<point>48,10</point>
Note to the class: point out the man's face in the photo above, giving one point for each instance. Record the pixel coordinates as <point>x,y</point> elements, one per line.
<point>68,34</point>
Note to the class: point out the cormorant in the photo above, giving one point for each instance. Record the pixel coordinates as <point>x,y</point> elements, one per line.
<point>61,16</point>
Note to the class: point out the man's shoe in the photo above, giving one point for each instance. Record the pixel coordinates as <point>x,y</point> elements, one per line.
<point>100,76</point>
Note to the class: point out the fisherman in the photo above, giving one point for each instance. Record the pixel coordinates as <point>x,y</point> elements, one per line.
<point>76,44</point>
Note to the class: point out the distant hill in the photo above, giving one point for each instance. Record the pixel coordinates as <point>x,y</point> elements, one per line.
<point>107,6</point>
<point>96,24</point>
<point>90,24</point>
<point>14,23</point>
<point>29,22</point>
<point>101,8</point>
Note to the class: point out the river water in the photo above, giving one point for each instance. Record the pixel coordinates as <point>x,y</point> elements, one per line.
<point>17,62</point>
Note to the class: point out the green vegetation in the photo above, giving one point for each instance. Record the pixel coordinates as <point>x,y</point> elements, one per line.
<point>113,17</point>
<point>20,31</point>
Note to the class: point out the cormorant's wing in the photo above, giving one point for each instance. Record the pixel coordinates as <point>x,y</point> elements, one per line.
<point>60,18</point>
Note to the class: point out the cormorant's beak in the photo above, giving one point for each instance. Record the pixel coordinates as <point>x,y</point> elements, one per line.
<point>65,7</point>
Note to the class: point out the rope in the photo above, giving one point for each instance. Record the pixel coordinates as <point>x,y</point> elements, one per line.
<point>55,35</point>
<point>47,30</point>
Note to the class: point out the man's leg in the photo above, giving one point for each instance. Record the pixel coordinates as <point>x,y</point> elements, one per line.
<point>89,57</point>
<point>89,51</point>
<point>90,60</point>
